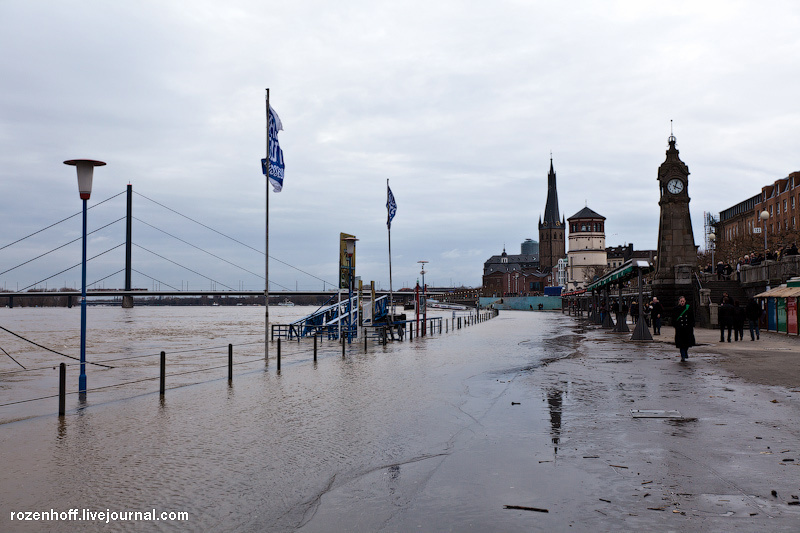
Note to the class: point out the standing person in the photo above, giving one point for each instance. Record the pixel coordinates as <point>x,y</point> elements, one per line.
<point>683,321</point>
<point>738,321</point>
<point>658,311</point>
<point>753,313</point>
<point>726,312</point>
<point>646,312</point>
<point>635,310</point>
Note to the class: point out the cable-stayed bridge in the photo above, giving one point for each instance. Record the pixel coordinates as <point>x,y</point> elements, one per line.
<point>58,263</point>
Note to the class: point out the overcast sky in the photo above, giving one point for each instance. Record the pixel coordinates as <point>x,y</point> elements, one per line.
<point>458,104</point>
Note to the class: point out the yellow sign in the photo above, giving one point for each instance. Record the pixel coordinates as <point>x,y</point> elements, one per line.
<point>347,262</point>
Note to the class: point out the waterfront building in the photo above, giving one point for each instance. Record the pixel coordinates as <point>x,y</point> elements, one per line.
<point>740,230</point>
<point>587,259</point>
<point>551,227</point>
<point>513,275</point>
<point>617,255</point>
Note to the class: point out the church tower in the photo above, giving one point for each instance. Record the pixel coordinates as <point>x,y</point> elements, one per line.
<point>552,245</point>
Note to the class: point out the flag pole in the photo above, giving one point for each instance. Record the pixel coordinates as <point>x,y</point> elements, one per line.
<point>266,247</point>
<point>389,229</point>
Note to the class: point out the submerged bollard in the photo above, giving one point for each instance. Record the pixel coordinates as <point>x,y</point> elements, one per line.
<point>62,389</point>
<point>163,384</point>
<point>315,346</point>
<point>365,341</point>
<point>230,362</point>
<point>279,355</point>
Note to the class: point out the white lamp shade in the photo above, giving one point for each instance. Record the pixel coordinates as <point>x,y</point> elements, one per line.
<point>85,168</point>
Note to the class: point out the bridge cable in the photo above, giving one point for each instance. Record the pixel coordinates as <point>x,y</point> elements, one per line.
<point>73,266</point>
<point>59,222</point>
<point>196,247</point>
<point>50,349</point>
<point>59,247</point>
<point>101,279</point>
<point>182,266</point>
<point>233,239</point>
<point>154,279</point>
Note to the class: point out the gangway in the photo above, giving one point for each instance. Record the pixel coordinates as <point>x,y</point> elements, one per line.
<point>326,320</point>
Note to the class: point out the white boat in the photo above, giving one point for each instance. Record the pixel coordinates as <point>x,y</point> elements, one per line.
<point>286,303</point>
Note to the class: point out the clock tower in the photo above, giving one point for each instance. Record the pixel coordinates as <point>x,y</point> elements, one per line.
<point>676,254</point>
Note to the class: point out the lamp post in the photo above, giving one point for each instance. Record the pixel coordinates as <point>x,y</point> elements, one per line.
<point>85,168</point>
<point>712,237</point>
<point>424,299</point>
<point>350,250</point>
<point>764,216</point>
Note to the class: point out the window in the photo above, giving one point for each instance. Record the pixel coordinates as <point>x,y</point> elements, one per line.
<point>793,225</point>
<point>770,210</point>
<point>784,206</point>
<point>792,202</point>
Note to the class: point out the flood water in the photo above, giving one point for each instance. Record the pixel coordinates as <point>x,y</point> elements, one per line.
<point>270,451</point>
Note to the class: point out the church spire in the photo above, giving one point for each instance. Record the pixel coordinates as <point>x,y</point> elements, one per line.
<point>552,218</point>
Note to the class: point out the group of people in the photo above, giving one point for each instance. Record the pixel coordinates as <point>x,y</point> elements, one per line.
<point>652,311</point>
<point>732,317</point>
<point>726,270</point>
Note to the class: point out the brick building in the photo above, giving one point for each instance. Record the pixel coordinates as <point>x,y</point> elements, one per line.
<point>740,224</point>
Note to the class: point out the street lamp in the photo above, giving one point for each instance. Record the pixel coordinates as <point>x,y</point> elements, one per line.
<point>713,238</point>
<point>85,168</point>
<point>424,299</point>
<point>764,216</point>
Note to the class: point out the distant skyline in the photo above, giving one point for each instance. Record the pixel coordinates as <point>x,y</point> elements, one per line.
<point>458,104</point>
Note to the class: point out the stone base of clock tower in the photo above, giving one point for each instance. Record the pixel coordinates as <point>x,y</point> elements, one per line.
<point>669,290</point>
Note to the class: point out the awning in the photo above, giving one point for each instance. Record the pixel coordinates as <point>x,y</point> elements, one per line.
<point>781,292</point>
<point>626,271</point>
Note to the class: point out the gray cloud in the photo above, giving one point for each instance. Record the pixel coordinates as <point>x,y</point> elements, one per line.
<point>457,103</point>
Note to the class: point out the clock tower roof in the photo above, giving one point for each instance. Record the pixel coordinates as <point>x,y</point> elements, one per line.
<point>672,166</point>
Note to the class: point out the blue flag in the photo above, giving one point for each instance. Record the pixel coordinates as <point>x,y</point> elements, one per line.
<point>274,167</point>
<point>391,206</point>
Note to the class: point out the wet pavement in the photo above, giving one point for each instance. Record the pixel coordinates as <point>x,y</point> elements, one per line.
<point>528,422</point>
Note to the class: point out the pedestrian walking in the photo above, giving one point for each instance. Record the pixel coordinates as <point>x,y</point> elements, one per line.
<point>657,313</point>
<point>683,322</point>
<point>753,314</point>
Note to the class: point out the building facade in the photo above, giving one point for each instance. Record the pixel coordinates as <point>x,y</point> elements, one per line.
<point>741,230</point>
<point>513,275</point>
<point>587,257</point>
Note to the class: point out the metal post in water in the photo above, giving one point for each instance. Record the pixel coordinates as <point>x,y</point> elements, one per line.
<point>62,389</point>
<point>279,354</point>
<point>315,346</point>
<point>230,362</point>
<point>162,386</point>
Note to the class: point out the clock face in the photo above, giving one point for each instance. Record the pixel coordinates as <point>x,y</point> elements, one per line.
<point>674,186</point>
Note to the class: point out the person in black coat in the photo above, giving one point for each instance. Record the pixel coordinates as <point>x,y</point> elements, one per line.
<point>753,314</point>
<point>726,316</point>
<point>683,322</point>
<point>738,321</point>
